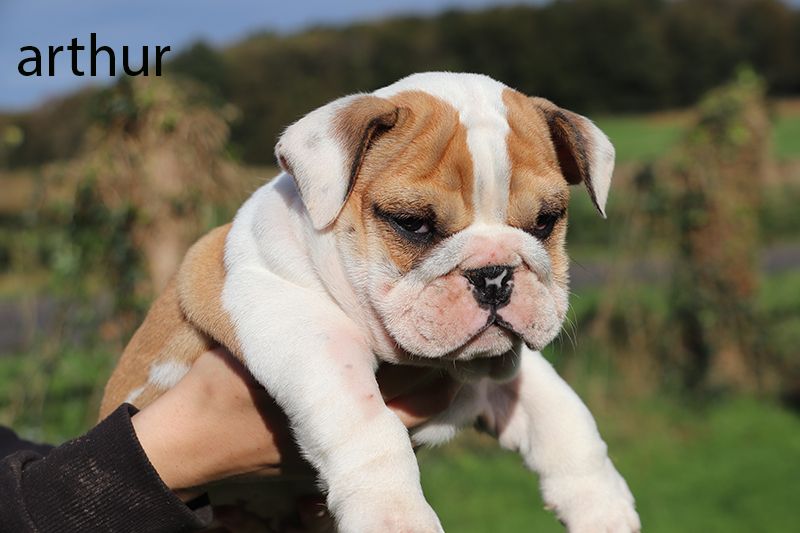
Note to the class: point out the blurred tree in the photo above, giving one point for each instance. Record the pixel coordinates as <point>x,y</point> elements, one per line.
<point>710,194</point>
<point>703,47</point>
<point>157,158</point>
<point>767,32</point>
<point>52,131</point>
<point>202,62</point>
<point>589,55</point>
<point>11,136</point>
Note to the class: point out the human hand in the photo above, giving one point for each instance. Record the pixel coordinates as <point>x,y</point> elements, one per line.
<point>218,422</point>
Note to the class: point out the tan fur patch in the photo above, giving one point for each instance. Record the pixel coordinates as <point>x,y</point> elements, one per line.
<point>200,282</point>
<point>180,325</point>
<point>421,167</point>
<point>537,183</point>
<point>358,124</point>
<point>164,334</point>
<point>569,140</point>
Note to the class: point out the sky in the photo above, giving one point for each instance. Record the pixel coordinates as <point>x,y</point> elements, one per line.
<point>174,23</point>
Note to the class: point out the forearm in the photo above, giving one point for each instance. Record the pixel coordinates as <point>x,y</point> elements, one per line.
<point>100,481</point>
<point>551,427</point>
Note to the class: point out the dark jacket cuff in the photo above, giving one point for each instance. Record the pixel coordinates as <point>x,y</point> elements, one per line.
<point>101,481</point>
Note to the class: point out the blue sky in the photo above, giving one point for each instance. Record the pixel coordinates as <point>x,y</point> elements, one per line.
<point>175,23</point>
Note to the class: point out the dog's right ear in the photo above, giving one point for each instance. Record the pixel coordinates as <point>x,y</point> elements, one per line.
<point>324,150</point>
<point>584,152</point>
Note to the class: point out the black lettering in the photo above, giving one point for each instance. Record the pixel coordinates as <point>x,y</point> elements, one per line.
<point>54,50</point>
<point>126,63</point>
<point>112,66</point>
<point>36,59</point>
<point>159,54</point>
<point>32,63</point>
<point>75,48</point>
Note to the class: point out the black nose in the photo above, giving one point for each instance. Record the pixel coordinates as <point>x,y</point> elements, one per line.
<point>491,285</point>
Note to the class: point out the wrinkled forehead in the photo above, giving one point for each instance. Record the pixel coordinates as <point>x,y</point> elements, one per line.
<point>496,139</point>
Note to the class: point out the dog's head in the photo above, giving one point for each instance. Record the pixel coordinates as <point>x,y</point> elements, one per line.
<point>449,193</point>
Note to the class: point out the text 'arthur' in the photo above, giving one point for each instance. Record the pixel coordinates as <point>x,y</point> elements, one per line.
<point>36,61</point>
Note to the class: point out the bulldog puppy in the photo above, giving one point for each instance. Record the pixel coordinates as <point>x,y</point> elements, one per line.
<point>420,224</point>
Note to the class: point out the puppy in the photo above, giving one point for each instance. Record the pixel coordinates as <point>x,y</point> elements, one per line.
<point>420,224</point>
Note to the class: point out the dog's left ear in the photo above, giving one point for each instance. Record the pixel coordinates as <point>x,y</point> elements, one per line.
<point>324,150</point>
<point>584,152</point>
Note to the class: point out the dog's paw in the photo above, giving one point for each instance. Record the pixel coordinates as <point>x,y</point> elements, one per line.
<point>387,513</point>
<point>600,502</point>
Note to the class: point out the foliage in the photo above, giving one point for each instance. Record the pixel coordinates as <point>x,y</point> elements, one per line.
<point>51,132</point>
<point>631,56</point>
<point>711,189</point>
<point>153,175</point>
<point>158,151</point>
<point>52,397</point>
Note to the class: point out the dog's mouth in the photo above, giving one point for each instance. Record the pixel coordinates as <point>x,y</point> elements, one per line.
<point>493,320</point>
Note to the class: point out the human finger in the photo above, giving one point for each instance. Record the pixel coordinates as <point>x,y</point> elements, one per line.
<point>419,406</point>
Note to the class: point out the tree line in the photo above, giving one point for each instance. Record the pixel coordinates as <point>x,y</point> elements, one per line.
<point>593,56</point>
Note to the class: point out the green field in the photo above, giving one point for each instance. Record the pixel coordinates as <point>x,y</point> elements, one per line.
<point>640,138</point>
<point>727,467</point>
<point>787,136</point>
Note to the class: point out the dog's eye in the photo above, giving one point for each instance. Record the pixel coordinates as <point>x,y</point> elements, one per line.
<point>544,225</point>
<point>418,228</point>
<point>415,225</point>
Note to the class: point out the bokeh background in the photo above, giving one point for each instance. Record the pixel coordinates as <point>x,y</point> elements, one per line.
<point>684,330</point>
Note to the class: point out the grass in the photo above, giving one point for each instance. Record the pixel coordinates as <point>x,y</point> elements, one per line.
<point>731,466</point>
<point>53,395</point>
<point>787,137</point>
<point>642,137</point>
<point>639,138</point>
<point>786,132</point>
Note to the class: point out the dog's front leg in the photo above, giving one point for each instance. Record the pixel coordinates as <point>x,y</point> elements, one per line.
<point>540,416</point>
<point>316,364</point>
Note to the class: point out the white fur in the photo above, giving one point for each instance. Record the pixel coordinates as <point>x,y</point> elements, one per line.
<point>134,395</point>
<point>167,374</point>
<point>602,161</point>
<point>539,416</point>
<point>324,194</point>
<point>296,297</point>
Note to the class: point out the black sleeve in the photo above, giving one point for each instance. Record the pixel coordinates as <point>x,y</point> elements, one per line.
<point>101,481</point>
<point>10,443</point>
